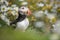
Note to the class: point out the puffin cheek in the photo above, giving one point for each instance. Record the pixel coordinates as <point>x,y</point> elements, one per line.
<point>28,12</point>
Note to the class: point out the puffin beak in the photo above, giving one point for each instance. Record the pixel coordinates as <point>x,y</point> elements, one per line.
<point>28,12</point>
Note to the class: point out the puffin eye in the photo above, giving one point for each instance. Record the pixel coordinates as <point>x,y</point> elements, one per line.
<point>22,8</point>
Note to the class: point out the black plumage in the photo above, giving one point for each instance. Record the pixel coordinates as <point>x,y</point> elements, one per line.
<point>19,19</point>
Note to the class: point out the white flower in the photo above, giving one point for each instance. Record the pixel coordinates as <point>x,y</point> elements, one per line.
<point>24,3</point>
<point>38,14</point>
<point>50,16</point>
<point>46,12</point>
<point>53,10</point>
<point>14,13</point>
<point>3,8</point>
<point>6,3</point>
<point>4,18</point>
<point>57,27</point>
<point>39,24</point>
<point>14,5</point>
<point>15,8</point>
<point>40,4</point>
<point>1,1</point>
<point>9,8</point>
<point>21,0</point>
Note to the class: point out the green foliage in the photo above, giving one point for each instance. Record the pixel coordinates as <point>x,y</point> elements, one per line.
<point>7,33</point>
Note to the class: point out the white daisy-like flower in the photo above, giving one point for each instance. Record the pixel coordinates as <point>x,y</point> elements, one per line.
<point>1,1</point>
<point>21,0</point>
<point>40,4</point>
<point>57,27</point>
<point>38,14</point>
<point>54,37</point>
<point>14,13</point>
<point>51,16</point>
<point>6,3</point>
<point>46,12</point>
<point>15,8</point>
<point>5,13</point>
<point>2,17</point>
<point>5,19</point>
<point>3,8</point>
<point>24,3</point>
<point>14,5</point>
<point>9,8</point>
<point>39,24</point>
<point>53,10</point>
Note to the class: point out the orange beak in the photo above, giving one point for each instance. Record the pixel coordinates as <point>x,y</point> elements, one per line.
<point>28,12</point>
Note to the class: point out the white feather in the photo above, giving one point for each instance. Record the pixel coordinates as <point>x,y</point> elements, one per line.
<point>23,25</point>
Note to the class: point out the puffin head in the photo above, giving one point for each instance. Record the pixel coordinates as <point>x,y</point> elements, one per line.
<point>25,10</point>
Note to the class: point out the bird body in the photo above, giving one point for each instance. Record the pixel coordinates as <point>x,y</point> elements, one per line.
<point>23,25</point>
<point>22,21</point>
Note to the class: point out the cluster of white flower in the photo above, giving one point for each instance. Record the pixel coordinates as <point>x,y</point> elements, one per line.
<point>40,4</point>
<point>38,14</point>
<point>57,27</point>
<point>6,10</point>
<point>39,24</point>
<point>50,13</point>
<point>23,2</point>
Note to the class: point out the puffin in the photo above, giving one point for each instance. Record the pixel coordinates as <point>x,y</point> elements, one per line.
<point>22,21</point>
